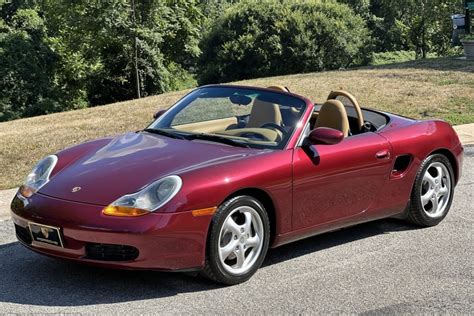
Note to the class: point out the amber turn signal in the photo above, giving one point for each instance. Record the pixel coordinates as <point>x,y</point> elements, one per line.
<point>26,191</point>
<point>123,211</point>
<point>204,211</point>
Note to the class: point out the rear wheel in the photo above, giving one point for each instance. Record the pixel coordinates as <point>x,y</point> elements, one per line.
<point>432,193</point>
<point>238,241</point>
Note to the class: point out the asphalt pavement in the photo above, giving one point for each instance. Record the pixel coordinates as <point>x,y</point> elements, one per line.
<point>386,266</point>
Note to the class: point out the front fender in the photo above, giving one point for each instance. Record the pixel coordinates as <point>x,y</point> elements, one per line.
<point>269,171</point>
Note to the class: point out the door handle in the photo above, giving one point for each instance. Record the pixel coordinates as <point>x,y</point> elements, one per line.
<point>383,154</point>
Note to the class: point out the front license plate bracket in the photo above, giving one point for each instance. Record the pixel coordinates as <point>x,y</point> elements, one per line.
<point>46,234</point>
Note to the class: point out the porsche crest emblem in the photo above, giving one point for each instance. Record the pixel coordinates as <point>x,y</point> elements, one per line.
<point>76,189</point>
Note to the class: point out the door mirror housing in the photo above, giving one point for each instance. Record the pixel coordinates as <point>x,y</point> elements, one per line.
<point>325,136</point>
<point>158,114</point>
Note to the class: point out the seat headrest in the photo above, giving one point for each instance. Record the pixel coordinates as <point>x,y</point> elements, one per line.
<point>279,88</point>
<point>333,114</point>
<point>264,112</point>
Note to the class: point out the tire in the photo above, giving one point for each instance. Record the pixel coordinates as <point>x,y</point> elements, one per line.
<point>423,209</point>
<point>235,252</point>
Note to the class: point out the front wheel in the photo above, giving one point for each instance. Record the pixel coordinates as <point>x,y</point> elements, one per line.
<point>238,240</point>
<point>432,192</point>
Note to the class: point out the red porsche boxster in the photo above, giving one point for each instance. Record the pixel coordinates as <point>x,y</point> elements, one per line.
<point>229,171</point>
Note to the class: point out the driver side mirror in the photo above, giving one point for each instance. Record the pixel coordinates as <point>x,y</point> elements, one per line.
<point>158,114</point>
<point>325,136</point>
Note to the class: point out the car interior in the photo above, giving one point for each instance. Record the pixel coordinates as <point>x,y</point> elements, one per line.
<point>270,123</point>
<point>342,111</point>
<point>265,122</point>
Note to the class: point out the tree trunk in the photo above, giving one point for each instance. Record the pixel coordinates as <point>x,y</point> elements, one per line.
<point>423,30</point>
<point>135,53</point>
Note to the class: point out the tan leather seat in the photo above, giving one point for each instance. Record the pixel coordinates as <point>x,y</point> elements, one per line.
<point>264,112</point>
<point>333,115</point>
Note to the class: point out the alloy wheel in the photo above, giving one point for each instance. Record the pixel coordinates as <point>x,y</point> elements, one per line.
<point>240,240</point>
<point>435,189</point>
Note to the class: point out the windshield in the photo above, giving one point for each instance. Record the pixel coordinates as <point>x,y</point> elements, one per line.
<point>233,116</point>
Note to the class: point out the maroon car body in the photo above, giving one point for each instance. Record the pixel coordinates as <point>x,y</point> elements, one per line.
<point>355,181</point>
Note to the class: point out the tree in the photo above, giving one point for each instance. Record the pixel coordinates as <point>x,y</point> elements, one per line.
<point>269,38</point>
<point>361,7</point>
<point>28,68</point>
<point>58,55</point>
<point>119,38</point>
<point>420,25</point>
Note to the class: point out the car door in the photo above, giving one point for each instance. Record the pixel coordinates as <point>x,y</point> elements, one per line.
<point>340,180</point>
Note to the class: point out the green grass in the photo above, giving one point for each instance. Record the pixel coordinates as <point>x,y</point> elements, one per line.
<point>461,111</point>
<point>392,57</point>
<point>433,88</point>
<point>403,56</point>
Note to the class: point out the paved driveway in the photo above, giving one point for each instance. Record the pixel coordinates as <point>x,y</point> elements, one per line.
<point>381,267</point>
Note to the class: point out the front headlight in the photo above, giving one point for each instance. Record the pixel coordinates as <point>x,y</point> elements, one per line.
<point>146,200</point>
<point>39,176</point>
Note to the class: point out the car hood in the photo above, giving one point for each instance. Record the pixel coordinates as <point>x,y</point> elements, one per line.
<point>130,162</point>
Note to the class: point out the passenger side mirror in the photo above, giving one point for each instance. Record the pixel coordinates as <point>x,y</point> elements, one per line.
<point>158,114</point>
<point>325,135</point>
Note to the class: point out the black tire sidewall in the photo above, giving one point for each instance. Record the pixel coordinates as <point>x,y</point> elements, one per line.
<point>213,261</point>
<point>417,212</point>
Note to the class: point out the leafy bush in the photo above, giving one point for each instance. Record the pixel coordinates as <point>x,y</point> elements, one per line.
<point>62,55</point>
<point>403,56</point>
<point>420,26</point>
<point>257,39</point>
<point>468,37</point>
<point>28,68</point>
<point>399,56</point>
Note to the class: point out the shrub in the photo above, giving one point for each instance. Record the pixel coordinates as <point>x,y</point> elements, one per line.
<point>399,56</point>
<point>402,56</point>
<point>468,37</point>
<point>28,69</point>
<point>266,38</point>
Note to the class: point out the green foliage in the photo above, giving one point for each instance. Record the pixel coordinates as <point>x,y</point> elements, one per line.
<point>420,25</point>
<point>166,35</point>
<point>403,56</point>
<point>213,10</point>
<point>468,37</point>
<point>28,69</point>
<point>269,38</point>
<point>361,7</point>
<point>57,55</point>
<point>392,57</point>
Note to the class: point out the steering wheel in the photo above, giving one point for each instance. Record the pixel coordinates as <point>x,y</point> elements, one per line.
<point>340,93</point>
<point>254,135</point>
<point>275,126</point>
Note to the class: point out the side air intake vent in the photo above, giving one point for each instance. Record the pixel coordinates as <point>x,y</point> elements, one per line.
<point>401,165</point>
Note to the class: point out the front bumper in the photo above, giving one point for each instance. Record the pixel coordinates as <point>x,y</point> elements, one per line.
<point>174,241</point>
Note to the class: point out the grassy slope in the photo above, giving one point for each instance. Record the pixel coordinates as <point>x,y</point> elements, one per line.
<point>441,88</point>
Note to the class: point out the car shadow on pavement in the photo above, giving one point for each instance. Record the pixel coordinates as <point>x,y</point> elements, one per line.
<point>33,279</point>
<point>336,238</point>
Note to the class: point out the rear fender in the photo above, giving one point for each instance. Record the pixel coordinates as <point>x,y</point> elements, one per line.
<point>419,140</point>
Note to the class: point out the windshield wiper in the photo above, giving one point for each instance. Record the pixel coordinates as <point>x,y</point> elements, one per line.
<point>217,138</point>
<point>209,137</point>
<point>165,133</point>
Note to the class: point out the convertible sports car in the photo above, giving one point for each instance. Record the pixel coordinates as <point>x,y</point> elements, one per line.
<point>229,171</point>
